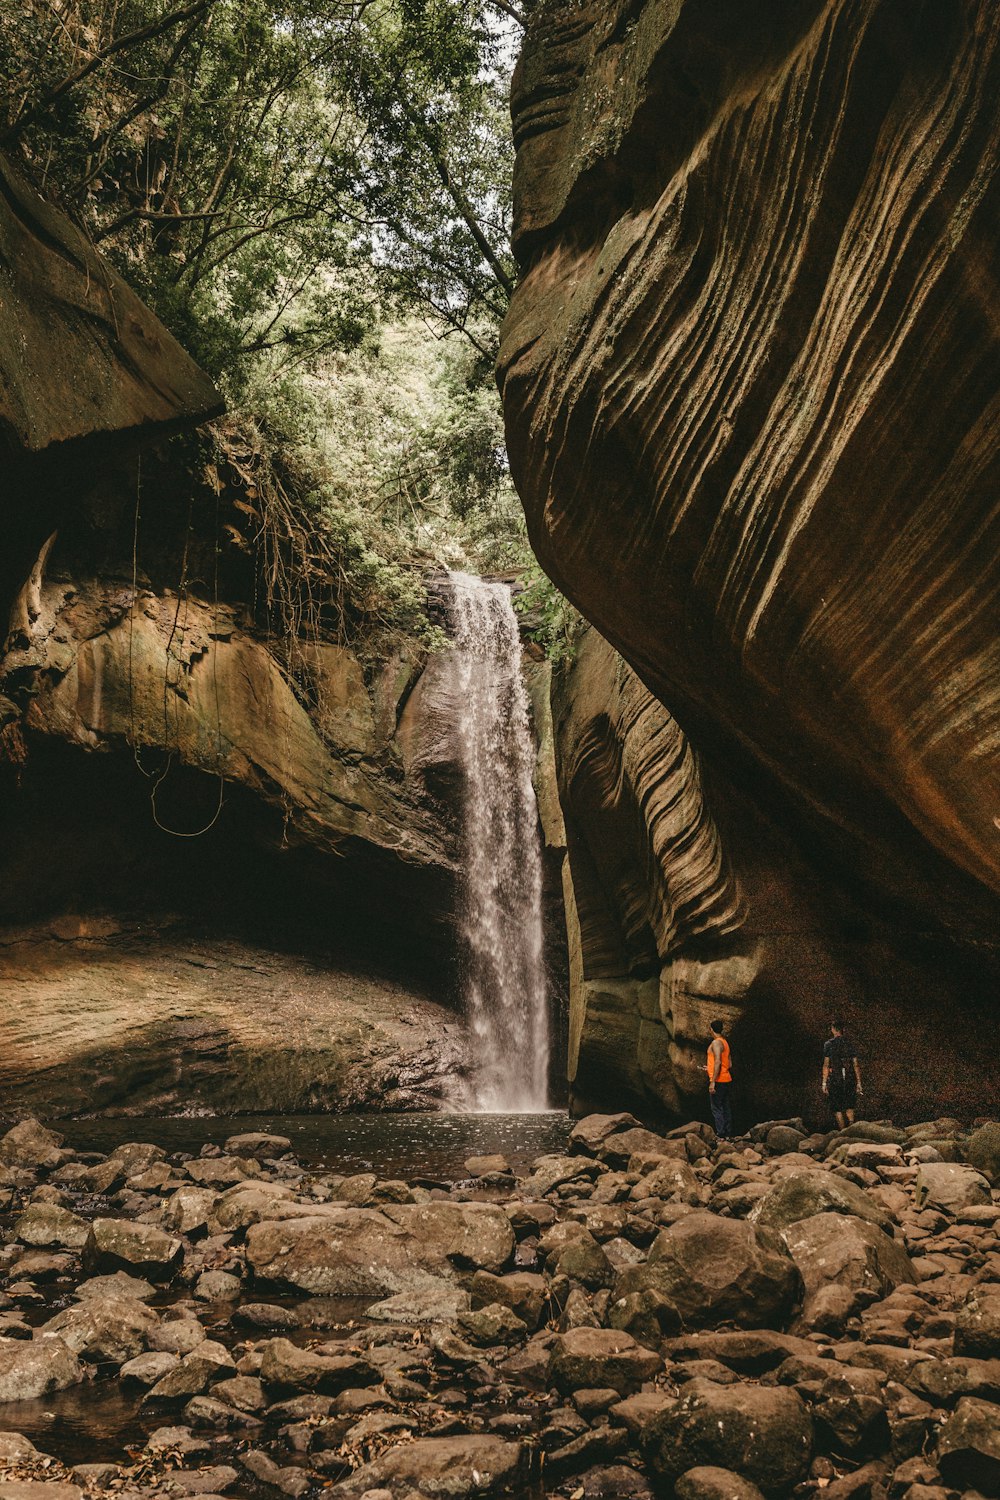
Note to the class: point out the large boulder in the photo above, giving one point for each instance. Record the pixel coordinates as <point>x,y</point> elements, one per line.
<point>361,1252</point>
<point>601,1359</point>
<point>714,1270</point>
<point>845,1263</point>
<point>29,1144</point>
<point>800,1195</point>
<point>107,1330</point>
<point>36,1368</point>
<point>764,1434</point>
<point>443,1468</point>
<point>45,1224</point>
<point>977,1323</point>
<point>950,1186</point>
<point>138,1249</point>
<point>982,1151</point>
<point>968,1447</point>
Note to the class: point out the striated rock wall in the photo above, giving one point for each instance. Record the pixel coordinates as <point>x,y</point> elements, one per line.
<point>751,384</point>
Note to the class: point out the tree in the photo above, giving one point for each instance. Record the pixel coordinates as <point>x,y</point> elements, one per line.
<point>271,172</point>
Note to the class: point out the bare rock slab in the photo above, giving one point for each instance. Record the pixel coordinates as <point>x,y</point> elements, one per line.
<point>452,1467</point>
<point>29,1370</point>
<point>378,1252</point>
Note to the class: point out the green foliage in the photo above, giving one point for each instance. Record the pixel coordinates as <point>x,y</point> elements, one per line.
<point>311,194</point>
<point>548,616</point>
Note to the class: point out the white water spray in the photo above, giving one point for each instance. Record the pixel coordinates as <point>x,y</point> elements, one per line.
<point>500,901</point>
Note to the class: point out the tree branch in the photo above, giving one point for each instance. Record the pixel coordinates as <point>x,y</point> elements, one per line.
<point>120,43</point>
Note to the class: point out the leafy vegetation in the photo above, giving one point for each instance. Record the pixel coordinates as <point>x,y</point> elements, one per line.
<point>314,196</point>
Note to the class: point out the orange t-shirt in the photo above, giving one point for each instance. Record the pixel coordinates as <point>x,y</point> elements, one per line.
<point>724,1074</point>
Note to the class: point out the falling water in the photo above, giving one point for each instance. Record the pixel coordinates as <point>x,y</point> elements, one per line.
<point>501,895</point>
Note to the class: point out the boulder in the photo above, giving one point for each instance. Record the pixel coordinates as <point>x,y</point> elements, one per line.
<point>845,1264</point>
<point>29,1144</point>
<point>208,1362</point>
<point>524,1292</point>
<point>549,1172</point>
<point>117,1285</point>
<point>982,1151</point>
<point>590,1133</point>
<point>285,1365</point>
<point>715,1270</point>
<point>977,1323</point>
<point>257,1143</point>
<point>188,1209</point>
<point>377,1252</point>
<point>442,1468</point>
<point>107,1330</point>
<point>850,1411</point>
<point>148,1369</point>
<point>968,1447</point>
<point>139,1249</point>
<point>801,1195</point>
<point>950,1186</point>
<point>764,1434</point>
<point>491,1326</point>
<point>45,1224</point>
<point>669,1179</point>
<point>29,1370</point>
<point>440,1302</point>
<point>709,1483</point>
<point>605,1358</point>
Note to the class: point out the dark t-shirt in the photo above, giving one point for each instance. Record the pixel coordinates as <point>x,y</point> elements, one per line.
<point>840,1051</point>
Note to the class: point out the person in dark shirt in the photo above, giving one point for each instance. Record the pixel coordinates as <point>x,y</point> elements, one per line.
<point>841,1075</point>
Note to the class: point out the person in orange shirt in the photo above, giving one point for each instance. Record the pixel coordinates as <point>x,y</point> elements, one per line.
<point>720,1081</point>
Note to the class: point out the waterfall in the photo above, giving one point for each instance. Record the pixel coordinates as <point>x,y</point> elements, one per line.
<point>500,900</point>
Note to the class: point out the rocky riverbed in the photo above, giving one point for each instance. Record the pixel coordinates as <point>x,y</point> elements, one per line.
<point>645,1315</point>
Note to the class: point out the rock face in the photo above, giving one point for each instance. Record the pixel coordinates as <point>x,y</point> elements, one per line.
<point>750,401</point>
<point>138,707</point>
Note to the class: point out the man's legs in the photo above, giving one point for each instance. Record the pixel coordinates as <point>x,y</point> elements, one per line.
<point>722,1113</point>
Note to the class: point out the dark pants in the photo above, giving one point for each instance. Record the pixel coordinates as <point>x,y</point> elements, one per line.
<point>722,1111</point>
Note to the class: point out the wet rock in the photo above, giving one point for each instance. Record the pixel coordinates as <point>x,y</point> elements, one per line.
<point>614,1482</point>
<point>551,1172</point>
<point>439,1303</point>
<point>488,1166</point>
<point>968,1448</point>
<point>139,1249</point>
<point>592,1357</point>
<point>762,1434</point>
<point>453,1467</point>
<point>217,1286</point>
<point>44,1224</point>
<point>147,1369</point>
<point>188,1209</point>
<point>590,1133</point>
<point>491,1326</point>
<point>29,1144</point>
<point>104,1329</point>
<point>845,1263</point>
<point>377,1252</point>
<point>117,1285</point>
<point>210,1361</point>
<point>134,1156</point>
<point>524,1292</point>
<point>284,1364</point>
<point>982,1151</point>
<point>850,1410</point>
<point>716,1270</point>
<point>177,1336</point>
<point>801,1195</point>
<point>977,1324</point>
<point>30,1370</point>
<point>257,1143</point>
<point>708,1483</point>
<point>950,1186</point>
<point>266,1315</point>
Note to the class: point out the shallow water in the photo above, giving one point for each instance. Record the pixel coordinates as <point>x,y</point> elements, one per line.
<point>409,1146</point>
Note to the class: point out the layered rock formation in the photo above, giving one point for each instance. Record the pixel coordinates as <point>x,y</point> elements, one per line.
<point>750,377</point>
<point>139,708</point>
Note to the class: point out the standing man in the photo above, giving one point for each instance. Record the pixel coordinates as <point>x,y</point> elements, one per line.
<point>841,1075</point>
<point>720,1081</point>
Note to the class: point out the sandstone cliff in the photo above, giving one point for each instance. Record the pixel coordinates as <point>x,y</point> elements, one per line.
<point>141,704</point>
<point>751,383</point>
